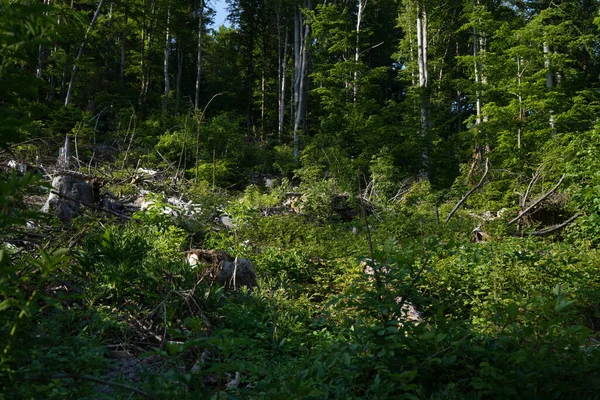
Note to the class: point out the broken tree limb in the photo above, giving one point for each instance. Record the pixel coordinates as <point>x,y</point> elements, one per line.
<point>487,169</point>
<point>556,227</point>
<point>533,181</point>
<point>538,201</point>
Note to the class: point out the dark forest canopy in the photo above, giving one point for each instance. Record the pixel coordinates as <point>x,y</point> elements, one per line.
<point>433,85</point>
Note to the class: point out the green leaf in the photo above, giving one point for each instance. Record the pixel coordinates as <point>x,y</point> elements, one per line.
<point>512,310</point>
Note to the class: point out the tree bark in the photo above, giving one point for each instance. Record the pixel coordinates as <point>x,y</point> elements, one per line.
<point>301,32</point>
<point>361,8</point>
<point>199,59</point>
<point>166,64</point>
<point>282,75</point>
<point>123,42</point>
<point>179,72</point>
<point>422,50</point>
<point>72,81</point>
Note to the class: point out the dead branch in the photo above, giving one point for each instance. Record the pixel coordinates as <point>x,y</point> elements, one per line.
<point>538,201</point>
<point>89,205</point>
<point>487,169</point>
<point>533,181</point>
<point>556,227</point>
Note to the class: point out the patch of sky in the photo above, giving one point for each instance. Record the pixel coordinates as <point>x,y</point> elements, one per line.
<point>221,13</point>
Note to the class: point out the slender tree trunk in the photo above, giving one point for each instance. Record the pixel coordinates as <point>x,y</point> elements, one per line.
<point>549,77</point>
<point>166,64</point>
<point>123,44</point>
<point>422,49</point>
<point>143,63</point>
<point>38,72</point>
<point>179,72</point>
<point>199,59</point>
<point>282,75</point>
<point>263,85</point>
<point>477,70</point>
<point>302,33</point>
<point>520,97</point>
<point>63,80</point>
<point>147,42</point>
<point>548,66</point>
<point>72,81</point>
<point>361,8</point>
<point>40,66</point>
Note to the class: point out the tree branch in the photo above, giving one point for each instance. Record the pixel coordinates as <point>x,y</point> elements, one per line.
<point>538,201</point>
<point>487,169</point>
<point>556,227</point>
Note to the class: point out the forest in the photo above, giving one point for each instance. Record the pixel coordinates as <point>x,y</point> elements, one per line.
<point>367,199</point>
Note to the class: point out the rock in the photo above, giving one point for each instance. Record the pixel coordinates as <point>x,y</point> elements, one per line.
<point>223,269</point>
<point>369,267</point>
<point>479,236</point>
<point>226,221</point>
<point>21,168</point>
<point>74,192</point>
<point>408,312</point>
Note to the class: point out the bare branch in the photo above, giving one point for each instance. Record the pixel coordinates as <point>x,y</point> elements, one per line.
<point>556,227</point>
<point>538,201</point>
<point>533,181</point>
<point>487,169</point>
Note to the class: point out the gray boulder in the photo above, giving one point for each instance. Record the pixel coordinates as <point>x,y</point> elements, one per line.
<point>72,193</point>
<point>221,268</point>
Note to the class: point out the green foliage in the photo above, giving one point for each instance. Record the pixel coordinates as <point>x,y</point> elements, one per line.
<point>22,28</point>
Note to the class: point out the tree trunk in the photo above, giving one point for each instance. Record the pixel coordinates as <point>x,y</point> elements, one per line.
<point>38,72</point>
<point>166,64</point>
<point>422,49</point>
<point>302,33</point>
<point>548,66</point>
<point>123,41</point>
<point>361,8</point>
<point>282,74</point>
<point>179,73</point>
<point>549,78</point>
<point>199,59</point>
<point>71,82</point>
<point>147,37</point>
<point>520,97</point>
